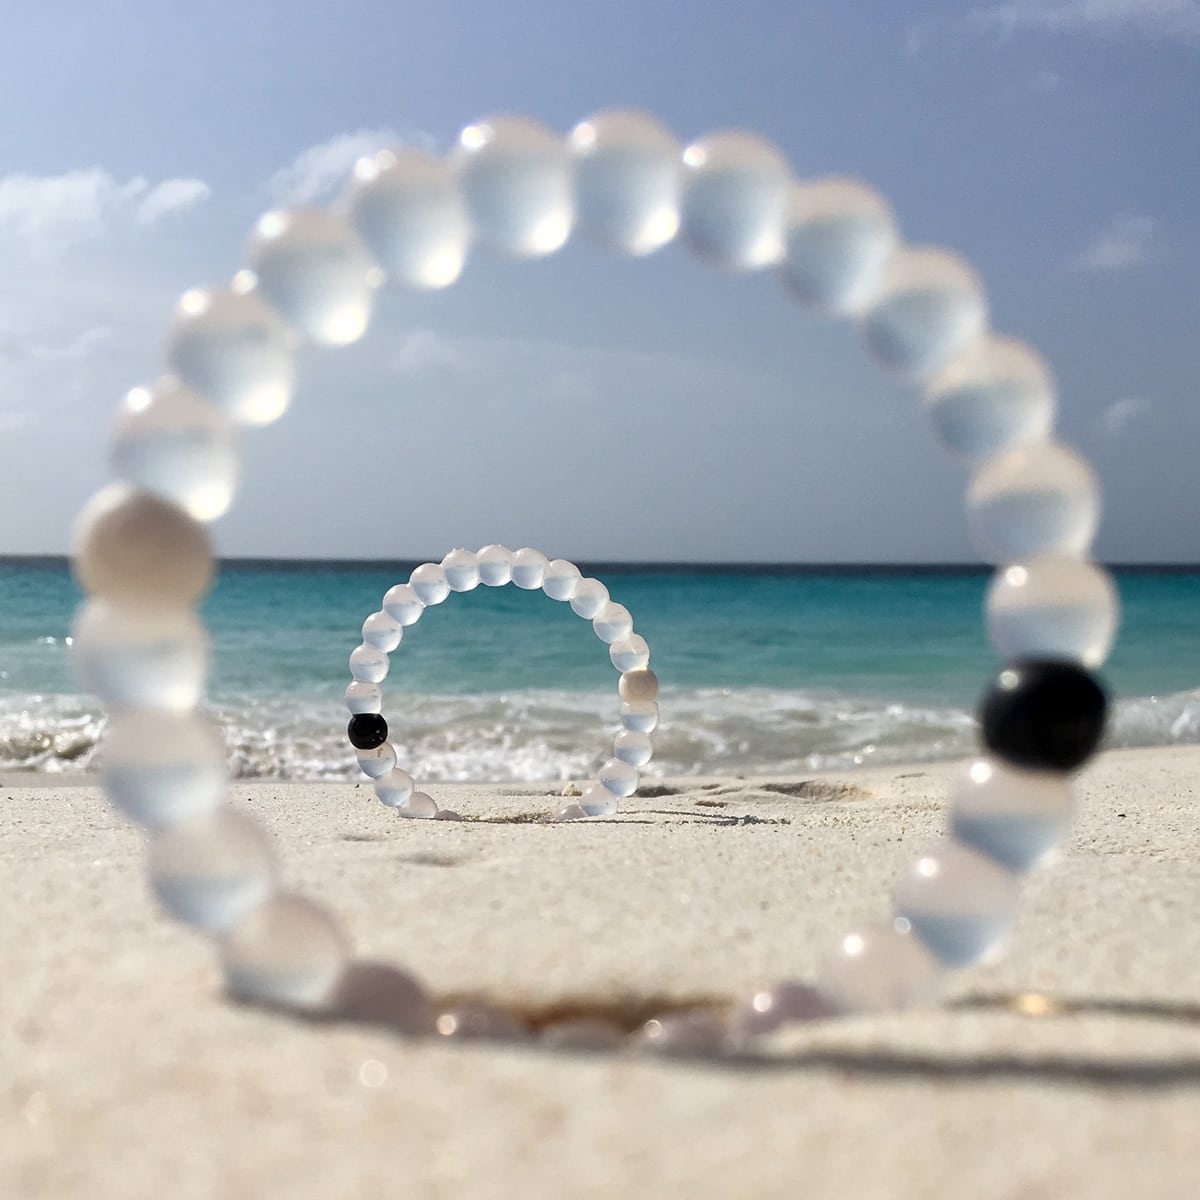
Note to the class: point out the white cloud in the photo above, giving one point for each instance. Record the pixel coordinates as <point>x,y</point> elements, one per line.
<point>1127,242</point>
<point>1172,19</point>
<point>315,172</point>
<point>171,196</point>
<point>1115,419</point>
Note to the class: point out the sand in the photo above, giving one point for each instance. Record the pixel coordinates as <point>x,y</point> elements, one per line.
<point>125,1073</point>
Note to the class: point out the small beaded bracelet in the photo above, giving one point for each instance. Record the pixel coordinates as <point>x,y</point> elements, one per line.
<point>142,553</point>
<point>530,570</point>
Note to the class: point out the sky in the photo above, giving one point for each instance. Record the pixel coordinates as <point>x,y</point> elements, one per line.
<point>602,409</point>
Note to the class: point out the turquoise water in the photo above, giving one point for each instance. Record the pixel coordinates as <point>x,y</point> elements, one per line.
<point>769,669</point>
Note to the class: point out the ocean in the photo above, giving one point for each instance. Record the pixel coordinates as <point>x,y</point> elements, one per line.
<point>763,669</point>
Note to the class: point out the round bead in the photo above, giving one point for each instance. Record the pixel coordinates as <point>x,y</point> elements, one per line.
<point>231,348</point>
<point>403,605</point>
<point>735,200</point>
<point>638,686</point>
<point>618,777</point>
<point>429,583</point>
<point>363,697</point>
<point>560,580</point>
<point>1014,817</point>
<point>406,208</point>
<point>771,1008</point>
<point>368,664</point>
<point>529,569</point>
<point>495,565</point>
<point>132,547</point>
<point>684,1034</point>
<point>596,801</point>
<point>162,768</point>
<point>375,764</point>
<point>995,394</point>
<point>382,632</point>
<point>1044,715</point>
<point>516,179</point>
<point>395,788</point>
<point>420,805</point>
<point>628,180</point>
<point>461,569</point>
<point>612,622</point>
<point>929,307</point>
<point>879,969</point>
<point>589,597</point>
<point>287,952</point>
<point>212,871</point>
<point>1053,607</point>
<point>838,237</point>
<point>640,715</point>
<point>959,903</point>
<point>171,442</point>
<point>140,656</point>
<point>313,270</point>
<point>1036,499</point>
<point>367,731</point>
<point>379,994</point>
<point>569,812</point>
<point>630,653</point>
<point>633,748</point>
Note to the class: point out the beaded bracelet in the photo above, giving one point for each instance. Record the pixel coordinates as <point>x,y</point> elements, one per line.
<point>530,570</point>
<point>142,553</point>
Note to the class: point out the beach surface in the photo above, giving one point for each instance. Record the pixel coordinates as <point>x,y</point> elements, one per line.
<point>1070,1067</point>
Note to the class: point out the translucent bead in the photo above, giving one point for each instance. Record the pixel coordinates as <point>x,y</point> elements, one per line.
<point>597,801</point>
<point>959,903</point>
<point>929,306</point>
<point>287,952</point>
<point>516,178</point>
<point>474,1019</point>
<point>1015,817</point>
<point>171,442</point>
<point>560,580</point>
<point>879,969</point>
<point>162,768</point>
<point>569,812</point>
<point>311,267</point>
<point>369,664</point>
<point>139,656</point>
<point>618,777</point>
<point>495,565</point>
<point>395,788</point>
<point>461,569</point>
<point>405,206</point>
<point>589,597</point>
<point>684,1034</point>
<point>630,653</point>
<point>231,347</point>
<point>420,805</point>
<point>403,604</point>
<point>375,764</point>
<point>997,393</point>
<point>382,632</point>
<point>638,686</point>
<point>771,1008</point>
<point>362,697</point>
<point>212,871</point>
<point>1053,607</point>
<point>132,547</point>
<point>612,622</point>
<point>430,584</point>
<point>379,994</point>
<point>529,569</point>
<point>640,715</point>
<point>838,237</point>
<point>1034,500</point>
<point>628,180</point>
<point>633,748</point>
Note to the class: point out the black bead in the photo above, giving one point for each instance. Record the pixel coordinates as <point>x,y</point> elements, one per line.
<point>1044,715</point>
<point>366,731</point>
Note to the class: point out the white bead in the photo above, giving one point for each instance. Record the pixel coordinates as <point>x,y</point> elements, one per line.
<point>169,441</point>
<point>382,632</point>
<point>628,180</point>
<point>495,565</point>
<point>1053,607</point>
<point>287,952</point>
<point>232,348</point>
<point>570,812</point>
<point>516,179</point>
<point>369,664</point>
<point>560,580</point>
<point>640,715</point>
<point>376,763</point>
<point>403,605</point>
<point>429,582</point>
<point>735,200</point>
<point>311,267</point>
<point>140,656</point>
<point>1034,500</point>
<point>362,697</point>
<point>612,623</point>
<point>589,597</point>
<point>632,748</point>
<point>1015,817</point>
<point>461,569</point>
<point>395,788</point>
<point>132,547</point>
<point>997,393</point>
<point>407,209</point>
<point>618,777</point>
<point>420,805</point>
<point>597,801</point>
<point>630,653</point>
<point>162,768</point>
<point>838,237</point>
<point>638,686</point>
<point>879,969</point>
<point>929,307</point>
<point>210,872</point>
<point>529,569</point>
<point>959,903</point>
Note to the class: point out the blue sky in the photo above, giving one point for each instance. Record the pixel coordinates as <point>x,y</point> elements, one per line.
<point>593,407</point>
